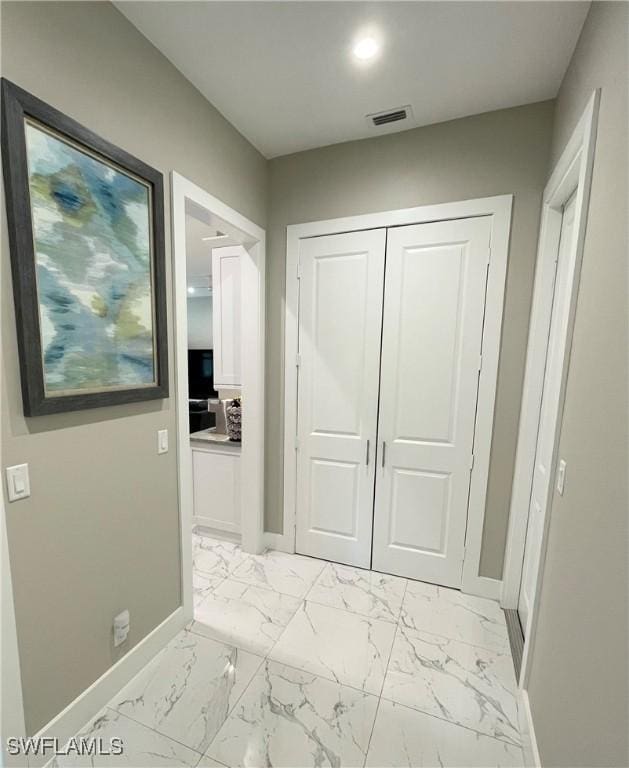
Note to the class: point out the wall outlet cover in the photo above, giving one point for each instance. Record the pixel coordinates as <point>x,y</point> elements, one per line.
<point>162,441</point>
<point>561,477</point>
<point>121,627</point>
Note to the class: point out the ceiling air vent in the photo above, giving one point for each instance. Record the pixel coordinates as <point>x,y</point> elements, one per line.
<point>389,116</point>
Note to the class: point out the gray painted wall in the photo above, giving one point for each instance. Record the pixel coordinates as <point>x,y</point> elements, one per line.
<point>491,154</point>
<point>100,532</point>
<point>578,687</point>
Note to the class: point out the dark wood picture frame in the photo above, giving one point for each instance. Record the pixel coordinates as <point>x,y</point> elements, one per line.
<point>17,105</point>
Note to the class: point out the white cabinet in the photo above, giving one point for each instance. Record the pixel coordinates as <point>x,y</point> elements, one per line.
<point>216,486</point>
<point>226,315</point>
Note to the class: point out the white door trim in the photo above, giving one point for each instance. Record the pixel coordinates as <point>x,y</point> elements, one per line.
<point>572,171</point>
<point>499,208</point>
<point>253,334</point>
<point>530,750</point>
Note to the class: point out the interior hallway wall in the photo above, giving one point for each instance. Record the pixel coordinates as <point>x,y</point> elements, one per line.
<point>100,532</point>
<point>578,686</point>
<point>495,153</point>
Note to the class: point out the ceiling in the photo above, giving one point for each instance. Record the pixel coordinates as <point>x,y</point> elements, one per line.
<point>284,75</point>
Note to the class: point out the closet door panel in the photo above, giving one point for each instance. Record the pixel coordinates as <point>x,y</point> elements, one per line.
<point>340,320</point>
<point>431,344</point>
<point>425,310</point>
<point>428,490</point>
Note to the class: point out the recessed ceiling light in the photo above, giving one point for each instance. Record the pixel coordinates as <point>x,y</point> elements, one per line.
<point>190,289</point>
<point>366,48</point>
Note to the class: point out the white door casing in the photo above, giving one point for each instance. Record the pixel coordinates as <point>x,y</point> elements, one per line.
<point>184,194</point>
<point>436,277</point>
<point>549,414</point>
<point>340,317</point>
<point>498,210</point>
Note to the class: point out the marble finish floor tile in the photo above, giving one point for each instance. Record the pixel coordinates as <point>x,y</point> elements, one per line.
<point>215,557</point>
<point>289,574</point>
<point>142,747</point>
<point>369,593</point>
<point>354,662</point>
<point>405,738</point>
<point>248,617</point>
<point>203,584</point>
<point>450,613</point>
<point>292,718</point>
<point>187,691</point>
<point>464,684</point>
<point>338,645</point>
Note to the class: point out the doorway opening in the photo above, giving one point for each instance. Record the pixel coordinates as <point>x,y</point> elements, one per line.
<point>219,279</point>
<point>538,471</point>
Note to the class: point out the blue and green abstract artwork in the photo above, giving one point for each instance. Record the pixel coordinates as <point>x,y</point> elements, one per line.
<point>92,238</point>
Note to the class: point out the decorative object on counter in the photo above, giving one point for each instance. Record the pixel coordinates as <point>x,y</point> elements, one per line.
<point>234,420</point>
<point>217,407</point>
<point>86,232</point>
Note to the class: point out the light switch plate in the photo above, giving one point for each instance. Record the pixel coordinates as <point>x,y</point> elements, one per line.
<point>561,477</point>
<point>162,441</point>
<point>18,482</point>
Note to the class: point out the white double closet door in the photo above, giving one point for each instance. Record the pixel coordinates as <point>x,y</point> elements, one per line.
<point>390,334</point>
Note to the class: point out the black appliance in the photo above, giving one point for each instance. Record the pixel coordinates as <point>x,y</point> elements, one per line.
<point>200,388</point>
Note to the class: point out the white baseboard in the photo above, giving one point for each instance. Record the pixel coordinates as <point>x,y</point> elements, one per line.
<point>279,541</point>
<point>218,533</point>
<point>482,586</point>
<point>211,524</point>
<point>79,712</point>
<point>527,731</point>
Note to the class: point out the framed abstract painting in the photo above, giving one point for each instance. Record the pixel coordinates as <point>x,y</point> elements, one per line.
<point>86,234</point>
